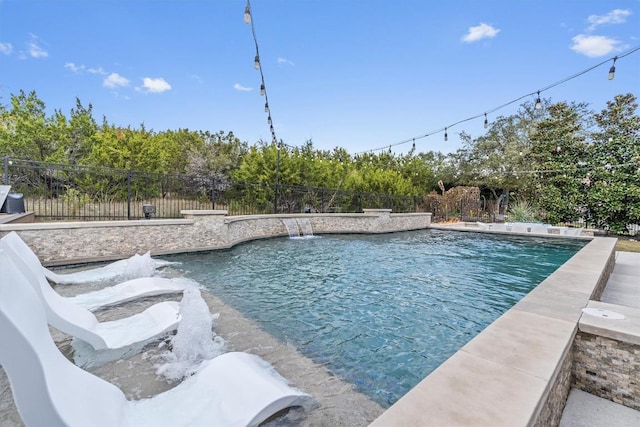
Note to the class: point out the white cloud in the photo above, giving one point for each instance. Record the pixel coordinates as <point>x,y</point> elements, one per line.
<point>100,71</point>
<point>36,51</point>
<point>616,16</point>
<point>241,88</point>
<point>6,48</point>
<point>479,32</point>
<point>196,78</point>
<point>285,61</point>
<point>73,67</point>
<point>115,80</point>
<point>594,46</point>
<point>79,69</point>
<point>156,85</point>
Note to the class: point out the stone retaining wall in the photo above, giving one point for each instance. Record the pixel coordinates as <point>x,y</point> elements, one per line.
<point>63,243</point>
<point>607,368</point>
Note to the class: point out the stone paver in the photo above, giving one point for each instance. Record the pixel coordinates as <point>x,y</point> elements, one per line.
<point>586,410</point>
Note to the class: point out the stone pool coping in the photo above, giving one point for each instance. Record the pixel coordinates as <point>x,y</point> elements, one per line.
<point>517,371</point>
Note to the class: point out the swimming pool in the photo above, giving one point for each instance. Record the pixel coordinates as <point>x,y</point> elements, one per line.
<point>380,311</point>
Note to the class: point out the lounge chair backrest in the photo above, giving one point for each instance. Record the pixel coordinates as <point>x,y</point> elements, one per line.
<point>519,228</point>
<point>61,313</point>
<point>47,388</point>
<point>540,228</point>
<point>573,231</point>
<point>499,226</point>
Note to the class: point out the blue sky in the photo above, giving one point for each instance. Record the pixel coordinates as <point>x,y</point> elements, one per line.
<point>357,74</point>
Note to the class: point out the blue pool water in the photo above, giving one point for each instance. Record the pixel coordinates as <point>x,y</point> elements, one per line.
<point>380,311</point>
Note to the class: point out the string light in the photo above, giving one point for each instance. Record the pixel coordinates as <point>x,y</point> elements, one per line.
<point>446,137</point>
<point>486,122</point>
<point>538,102</point>
<point>612,70</point>
<point>506,104</point>
<point>258,66</point>
<point>584,167</point>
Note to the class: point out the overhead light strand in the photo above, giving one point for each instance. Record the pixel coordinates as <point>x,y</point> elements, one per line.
<point>248,19</point>
<point>513,101</point>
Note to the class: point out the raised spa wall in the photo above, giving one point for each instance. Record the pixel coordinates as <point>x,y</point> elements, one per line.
<point>63,243</point>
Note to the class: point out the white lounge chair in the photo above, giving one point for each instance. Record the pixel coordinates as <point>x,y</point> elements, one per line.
<point>234,389</point>
<point>482,225</point>
<point>81,323</point>
<point>519,228</point>
<point>131,290</point>
<point>572,231</point>
<point>109,271</point>
<point>135,266</point>
<point>498,226</point>
<point>123,292</point>
<point>540,228</point>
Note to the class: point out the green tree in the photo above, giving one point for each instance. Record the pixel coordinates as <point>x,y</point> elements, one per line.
<point>613,182</point>
<point>559,153</point>
<point>215,155</point>
<point>80,136</point>
<point>419,170</point>
<point>23,133</point>
<point>498,160</point>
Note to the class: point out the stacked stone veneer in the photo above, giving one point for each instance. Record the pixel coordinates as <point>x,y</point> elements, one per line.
<point>607,368</point>
<point>81,242</point>
<point>558,392</point>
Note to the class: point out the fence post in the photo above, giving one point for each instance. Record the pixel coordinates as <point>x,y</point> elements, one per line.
<point>6,170</point>
<point>128,194</point>
<point>275,196</point>
<point>213,193</point>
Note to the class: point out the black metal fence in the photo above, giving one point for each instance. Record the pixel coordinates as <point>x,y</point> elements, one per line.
<point>71,192</point>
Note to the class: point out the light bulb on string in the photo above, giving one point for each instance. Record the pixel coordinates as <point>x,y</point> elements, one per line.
<point>262,89</point>
<point>256,62</point>
<point>266,107</point>
<point>247,14</point>
<point>538,102</point>
<point>446,136</point>
<point>486,122</point>
<point>414,144</point>
<point>612,70</point>
<point>269,119</point>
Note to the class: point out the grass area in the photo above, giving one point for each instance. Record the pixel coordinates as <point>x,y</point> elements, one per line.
<point>628,245</point>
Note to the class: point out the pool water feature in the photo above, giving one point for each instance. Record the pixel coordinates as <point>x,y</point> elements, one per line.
<point>380,311</point>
